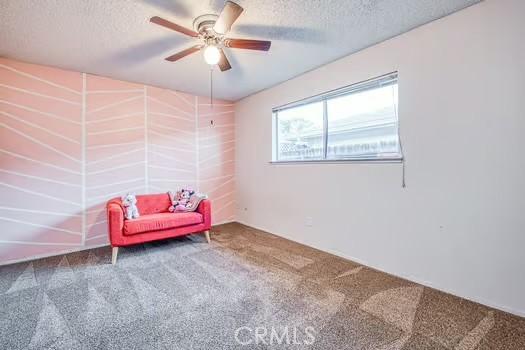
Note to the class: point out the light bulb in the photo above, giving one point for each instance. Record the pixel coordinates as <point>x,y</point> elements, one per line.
<point>212,55</point>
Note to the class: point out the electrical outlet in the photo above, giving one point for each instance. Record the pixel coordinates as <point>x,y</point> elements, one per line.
<point>309,221</point>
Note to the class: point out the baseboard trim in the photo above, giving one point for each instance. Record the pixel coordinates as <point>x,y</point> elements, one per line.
<point>224,222</point>
<point>61,252</point>
<point>428,284</point>
<point>331,251</point>
<point>74,250</point>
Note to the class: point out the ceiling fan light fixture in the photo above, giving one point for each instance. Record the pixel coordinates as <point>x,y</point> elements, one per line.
<point>212,55</point>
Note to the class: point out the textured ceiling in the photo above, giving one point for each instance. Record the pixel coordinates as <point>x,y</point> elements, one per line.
<point>114,38</point>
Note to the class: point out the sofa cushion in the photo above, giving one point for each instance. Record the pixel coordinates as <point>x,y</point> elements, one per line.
<point>160,221</point>
<point>153,203</point>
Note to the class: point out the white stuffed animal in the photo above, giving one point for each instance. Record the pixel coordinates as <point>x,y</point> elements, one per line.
<point>130,203</point>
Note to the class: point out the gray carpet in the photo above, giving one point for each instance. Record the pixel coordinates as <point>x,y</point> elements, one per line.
<point>186,294</point>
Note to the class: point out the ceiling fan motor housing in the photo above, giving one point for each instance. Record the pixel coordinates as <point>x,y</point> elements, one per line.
<point>204,25</point>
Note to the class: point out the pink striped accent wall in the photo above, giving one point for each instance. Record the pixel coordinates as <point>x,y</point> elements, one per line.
<point>217,155</point>
<point>70,141</point>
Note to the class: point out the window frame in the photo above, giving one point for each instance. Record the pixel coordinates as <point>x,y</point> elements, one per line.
<point>376,82</point>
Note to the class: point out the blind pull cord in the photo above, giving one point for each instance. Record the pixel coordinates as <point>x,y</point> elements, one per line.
<point>403,182</point>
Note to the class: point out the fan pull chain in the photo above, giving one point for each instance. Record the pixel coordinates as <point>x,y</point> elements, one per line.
<point>211,86</point>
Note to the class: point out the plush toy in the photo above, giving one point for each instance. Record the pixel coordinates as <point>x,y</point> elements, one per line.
<point>183,199</point>
<point>174,202</point>
<point>130,203</point>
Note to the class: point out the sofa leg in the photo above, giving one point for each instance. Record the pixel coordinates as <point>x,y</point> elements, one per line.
<point>114,252</point>
<point>207,234</point>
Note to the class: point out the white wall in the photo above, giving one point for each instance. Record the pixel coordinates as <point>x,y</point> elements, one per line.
<point>459,225</point>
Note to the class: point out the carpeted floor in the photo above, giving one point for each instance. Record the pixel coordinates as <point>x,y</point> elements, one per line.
<point>186,294</point>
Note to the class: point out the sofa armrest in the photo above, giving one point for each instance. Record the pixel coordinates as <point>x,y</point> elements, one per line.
<point>205,209</point>
<point>115,223</point>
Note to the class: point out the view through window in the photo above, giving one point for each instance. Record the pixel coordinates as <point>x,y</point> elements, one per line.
<point>356,122</point>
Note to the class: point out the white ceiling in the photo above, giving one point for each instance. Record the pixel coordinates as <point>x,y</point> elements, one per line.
<point>114,37</point>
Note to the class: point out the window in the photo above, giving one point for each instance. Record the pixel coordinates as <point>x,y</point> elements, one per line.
<point>300,132</point>
<point>358,122</point>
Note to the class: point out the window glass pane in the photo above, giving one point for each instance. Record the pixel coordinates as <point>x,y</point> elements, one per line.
<point>363,124</point>
<point>300,132</point>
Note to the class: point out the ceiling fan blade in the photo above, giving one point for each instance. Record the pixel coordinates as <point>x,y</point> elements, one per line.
<point>224,64</point>
<point>261,45</point>
<point>165,23</point>
<point>230,12</point>
<point>183,53</point>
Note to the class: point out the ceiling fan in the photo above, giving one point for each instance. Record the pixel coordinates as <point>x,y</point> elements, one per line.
<point>211,32</point>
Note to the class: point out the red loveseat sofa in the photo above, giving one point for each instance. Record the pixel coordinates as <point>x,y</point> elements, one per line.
<point>155,221</point>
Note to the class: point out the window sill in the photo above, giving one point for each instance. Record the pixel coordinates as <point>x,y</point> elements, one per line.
<point>336,161</point>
